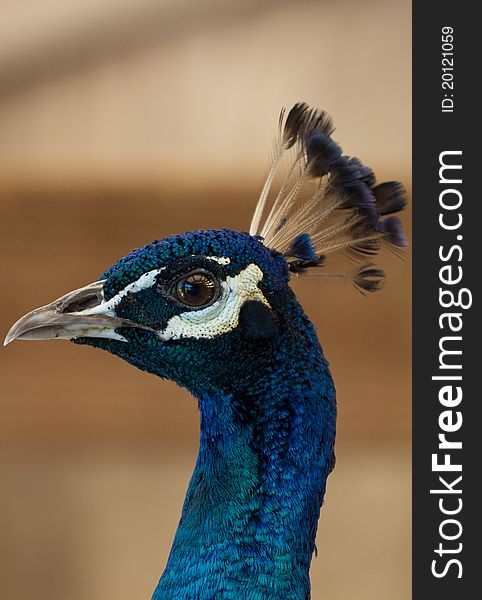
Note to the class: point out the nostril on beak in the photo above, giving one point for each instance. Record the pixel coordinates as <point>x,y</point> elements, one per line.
<point>80,300</point>
<point>81,304</point>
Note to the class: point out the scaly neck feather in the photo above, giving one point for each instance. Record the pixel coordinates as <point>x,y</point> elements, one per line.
<point>250,515</point>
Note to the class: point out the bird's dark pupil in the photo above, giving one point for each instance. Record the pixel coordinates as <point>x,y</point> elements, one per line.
<point>193,290</point>
<point>196,289</point>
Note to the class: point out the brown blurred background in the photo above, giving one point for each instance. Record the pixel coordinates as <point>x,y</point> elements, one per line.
<point>124,121</point>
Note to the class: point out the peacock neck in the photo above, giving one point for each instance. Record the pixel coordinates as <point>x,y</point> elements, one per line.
<point>250,515</point>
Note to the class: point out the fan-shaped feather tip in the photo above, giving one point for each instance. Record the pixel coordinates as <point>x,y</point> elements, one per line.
<point>326,202</point>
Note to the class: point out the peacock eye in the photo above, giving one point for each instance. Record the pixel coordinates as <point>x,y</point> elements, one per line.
<point>197,289</point>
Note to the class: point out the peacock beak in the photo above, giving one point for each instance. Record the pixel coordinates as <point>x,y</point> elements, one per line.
<point>77,314</point>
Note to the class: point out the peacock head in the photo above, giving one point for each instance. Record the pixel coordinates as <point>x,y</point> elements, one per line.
<point>185,308</point>
<point>205,308</point>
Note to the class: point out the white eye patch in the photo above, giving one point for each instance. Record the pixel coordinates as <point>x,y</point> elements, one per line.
<point>220,317</point>
<point>223,315</point>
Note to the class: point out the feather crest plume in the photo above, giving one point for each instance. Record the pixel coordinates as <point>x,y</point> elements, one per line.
<point>326,202</point>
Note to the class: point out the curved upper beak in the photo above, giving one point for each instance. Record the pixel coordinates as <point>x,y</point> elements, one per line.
<point>81,313</point>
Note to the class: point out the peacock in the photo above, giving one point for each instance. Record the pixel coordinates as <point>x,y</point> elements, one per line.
<point>213,311</point>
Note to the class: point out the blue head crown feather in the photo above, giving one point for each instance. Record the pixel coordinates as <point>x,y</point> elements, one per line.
<point>214,312</point>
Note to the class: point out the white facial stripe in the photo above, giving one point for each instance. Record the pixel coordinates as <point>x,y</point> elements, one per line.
<point>145,281</point>
<point>222,316</point>
<point>219,318</point>
<point>222,260</point>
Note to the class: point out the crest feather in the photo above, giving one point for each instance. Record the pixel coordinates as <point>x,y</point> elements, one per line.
<point>325,202</point>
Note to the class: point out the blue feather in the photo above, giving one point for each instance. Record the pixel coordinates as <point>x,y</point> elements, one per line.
<point>392,228</point>
<point>302,247</point>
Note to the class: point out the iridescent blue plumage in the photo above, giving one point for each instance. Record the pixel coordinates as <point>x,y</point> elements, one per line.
<point>267,412</point>
<point>214,312</point>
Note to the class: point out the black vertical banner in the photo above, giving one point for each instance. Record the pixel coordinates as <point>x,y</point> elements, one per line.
<point>447,197</point>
